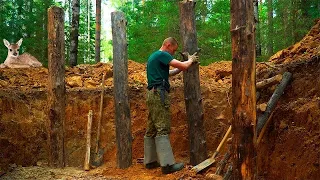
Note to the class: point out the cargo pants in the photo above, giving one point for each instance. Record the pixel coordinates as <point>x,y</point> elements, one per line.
<point>158,123</point>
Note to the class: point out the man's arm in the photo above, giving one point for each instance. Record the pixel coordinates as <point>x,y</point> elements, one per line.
<point>174,71</point>
<point>182,66</point>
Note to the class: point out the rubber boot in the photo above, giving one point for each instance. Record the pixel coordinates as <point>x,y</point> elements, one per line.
<point>165,155</point>
<point>150,154</point>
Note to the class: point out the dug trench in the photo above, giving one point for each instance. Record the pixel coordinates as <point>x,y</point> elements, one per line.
<point>290,148</point>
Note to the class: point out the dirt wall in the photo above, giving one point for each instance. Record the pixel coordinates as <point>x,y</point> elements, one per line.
<point>23,134</point>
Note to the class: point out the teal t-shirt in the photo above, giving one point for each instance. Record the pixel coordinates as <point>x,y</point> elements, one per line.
<point>158,69</point>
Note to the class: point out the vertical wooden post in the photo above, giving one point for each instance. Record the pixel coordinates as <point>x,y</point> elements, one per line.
<point>243,89</point>
<point>56,86</point>
<point>74,34</point>
<point>88,142</point>
<point>98,30</point>
<point>120,76</point>
<point>192,92</point>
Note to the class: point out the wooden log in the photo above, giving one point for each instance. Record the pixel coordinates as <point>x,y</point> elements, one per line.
<point>243,89</point>
<point>228,174</point>
<point>263,130</point>
<point>120,75</point>
<point>286,78</point>
<point>262,107</point>
<point>223,163</point>
<point>88,142</point>
<point>192,91</point>
<point>74,34</point>
<point>56,87</point>
<point>268,82</point>
<point>213,177</point>
<point>98,31</point>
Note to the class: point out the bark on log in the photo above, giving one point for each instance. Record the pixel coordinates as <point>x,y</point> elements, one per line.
<point>98,31</point>
<point>223,163</point>
<point>74,34</point>
<point>213,177</point>
<point>263,130</point>
<point>228,174</point>
<point>88,142</point>
<point>243,89</point>
<point>56,87</point>
<point>269,82</point>
<point>121,100</point>
<point>273,100</point>
<point>192,92</point>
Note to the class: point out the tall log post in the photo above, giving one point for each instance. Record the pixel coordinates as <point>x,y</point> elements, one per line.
<point>192,92</point>
<point>243,89</point>
<point>56,87</point>
<point>120,76</point>
<point>98,31</point>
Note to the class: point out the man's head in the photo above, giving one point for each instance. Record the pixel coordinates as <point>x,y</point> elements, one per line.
<point>170,45</point>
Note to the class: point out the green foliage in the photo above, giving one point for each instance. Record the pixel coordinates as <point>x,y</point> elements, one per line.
<point>151,22</point>
<point>149,25</point>
<point>25,19</point>
<point>214,31</point>
<point>86,47</point>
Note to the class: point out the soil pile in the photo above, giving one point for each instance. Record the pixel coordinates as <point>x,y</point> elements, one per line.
<point>290,148</point>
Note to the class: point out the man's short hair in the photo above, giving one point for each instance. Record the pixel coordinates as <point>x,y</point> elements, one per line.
<point>170,40</point>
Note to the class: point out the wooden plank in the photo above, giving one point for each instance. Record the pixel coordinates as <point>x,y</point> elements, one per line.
<point>56,87</point>
<point>121,100</point>
<point>191,80</point>
<point>243,89</point>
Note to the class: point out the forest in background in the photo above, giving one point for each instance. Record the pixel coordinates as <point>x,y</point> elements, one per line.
<point>280,23</point>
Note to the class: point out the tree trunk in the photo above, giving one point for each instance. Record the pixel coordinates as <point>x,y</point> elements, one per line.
<point>98,31</point>
<point>120,76</point>
<point>192,92</point>
<point>74,33</point>
<point>270,29</point>
<point>257,24</point>
<point>243,89</point>
<point>56,87</point>
<point>88,30</point>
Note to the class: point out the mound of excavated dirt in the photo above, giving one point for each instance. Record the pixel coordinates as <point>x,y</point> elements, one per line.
<point>290,148</point>
<point>308,47</point>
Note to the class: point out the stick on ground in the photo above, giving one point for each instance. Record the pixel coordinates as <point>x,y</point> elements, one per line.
<point>88,143</point>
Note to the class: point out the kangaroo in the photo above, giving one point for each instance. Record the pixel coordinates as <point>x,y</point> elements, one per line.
<point>14,60</point>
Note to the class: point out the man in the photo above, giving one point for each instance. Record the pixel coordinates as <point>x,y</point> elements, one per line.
<point>157,148</point>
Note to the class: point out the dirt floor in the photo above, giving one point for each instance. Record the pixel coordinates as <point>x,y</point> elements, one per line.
<point>290,148</point>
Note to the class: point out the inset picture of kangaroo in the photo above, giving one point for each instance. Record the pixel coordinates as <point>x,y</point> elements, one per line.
<point>14,60</point>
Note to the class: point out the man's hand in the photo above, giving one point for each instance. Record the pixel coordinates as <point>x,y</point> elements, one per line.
<point>193,57</point>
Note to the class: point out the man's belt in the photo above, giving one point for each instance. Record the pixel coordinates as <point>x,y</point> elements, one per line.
<point>162,92</point>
